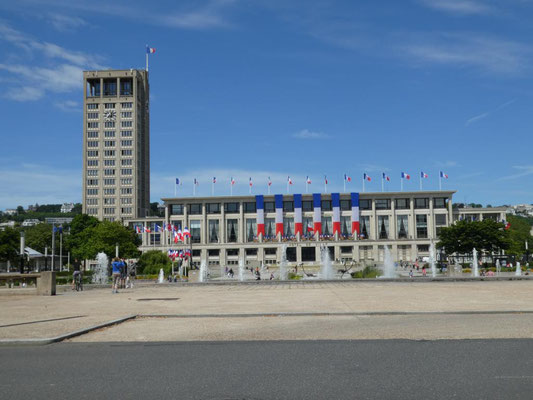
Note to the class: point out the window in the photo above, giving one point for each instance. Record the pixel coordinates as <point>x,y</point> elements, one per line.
<point>126,191</point>
<point>109,153</point>
<point>439,202</point>
<point>423,248</point>
<point>440,219</point>
<point>250,207</point>
<point>327,228</point>
<point>92,143</point>
<point>346,249</point>
<point>126,124</point>
<point>402,225</point>
<point>232,230</point>
<point>326,205</point>
<point>270,251</point>
<point>126,114</point>
<point>127,161</point>
<point>92,163</point>
<point>251,229</point>
<point>126,181</point>
<point>109,201</point>
<point>92,153</point>
<point>402,204</point>
<point>109,171</point>
<point>126,200</point>
<point>365,204</point>
<point>109,106</point>
<point>126,210</point>
<point>346,226</point>
<point>288,227</point>
<point>126,105</point>
<point>213,231</point>
<point>109,210</point>
<point>126,133</point>
<point>109,163</point>
<point>92,192</point>
<point>231,208</point>
<point>110,87</point>
<point>422,203</point>
<point>109,134</point>
<point>109,192</point>
<point>421,226</point>
<point>213,208</point>
<point>195,209</point>
<point>270,206</point>
<point>92,134</point>
<point>176,209</point>
<point>270,228</point>
<point>109,143</point>
<point>92,182</point>
<point>382,204</point>
<point>195,231</point>
<point>93,125</point>
<point>288,206</point>
<point>307,205</point>
<point>92,211</point>
<point>109,182</point>
<point>92,172</point>
<point>251,252</point>
<point>383,226</point>
<point>232,252</point>
<point>126,152</point>
<point>109,124</point>
<point>346,205</point>
<point>365,226</point>
<point>92,202</point>
<point>92,115</point>
<point>126,171</point>
<point>213,252</point>
<point>126,86</point>
<point>126,143</point>
<point>92,106</point>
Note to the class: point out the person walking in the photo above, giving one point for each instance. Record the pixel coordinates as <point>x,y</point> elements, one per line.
<point>117,267</point>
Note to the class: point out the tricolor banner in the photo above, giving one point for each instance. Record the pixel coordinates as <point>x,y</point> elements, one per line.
<point>260,205</point>
<point>355,213</point>
<point>336,203</point>
<point>278,199</point>
<point>317,213</point>
<point>298,226</point>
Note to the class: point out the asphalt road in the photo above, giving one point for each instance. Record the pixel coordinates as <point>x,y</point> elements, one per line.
<point>388,369</point>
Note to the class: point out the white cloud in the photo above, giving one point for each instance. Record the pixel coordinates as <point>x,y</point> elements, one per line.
<point>68,105</point>
<point>524,170</point>
<point>65,23</point>
<point>447,164</point>
<point>30,183</point>
<point>488,113</point>
<point>459,7</point>
<point>307,134</point>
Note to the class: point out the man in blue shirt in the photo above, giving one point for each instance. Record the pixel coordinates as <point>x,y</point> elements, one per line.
<point>117,268</point>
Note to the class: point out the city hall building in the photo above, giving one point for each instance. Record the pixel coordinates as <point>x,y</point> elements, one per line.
<point>353,226</point>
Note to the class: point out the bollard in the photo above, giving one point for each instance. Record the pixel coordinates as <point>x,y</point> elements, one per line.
<point>46,283</point>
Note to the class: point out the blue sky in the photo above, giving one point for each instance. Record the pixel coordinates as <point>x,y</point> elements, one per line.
<point>275,88</point>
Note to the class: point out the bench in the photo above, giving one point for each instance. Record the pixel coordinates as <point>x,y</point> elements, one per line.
<point>45,281</point>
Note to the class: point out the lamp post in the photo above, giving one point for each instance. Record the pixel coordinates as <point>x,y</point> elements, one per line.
<point>22,246</point>
<point>116,250</point>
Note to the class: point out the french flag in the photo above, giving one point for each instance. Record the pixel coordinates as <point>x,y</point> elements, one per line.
<point>269,181</point>
<point>406,176</point>
<point>232,181</point>
<point>366,177</point>
<point>308,180</point>
<point>147,230</point>
<point>250,182</point>
<point>317,213</point>
<point>423,174</point>
<point>355,213</point>
<point>178,181</point>
<point>150,50</point>
<point>289,180</point>
<point>443,175</point>
<point>214,179</point>
<point>138,229</point>
<point>196,182</point>
<point>325,179</point>
<point>347,178</point>
<point>186,232</point>
<point>157,228</point>
<point>336,203</point>
<point>298,226</point>
<point>260,219</point>
<point>278,199</point>
<point>386,177</point>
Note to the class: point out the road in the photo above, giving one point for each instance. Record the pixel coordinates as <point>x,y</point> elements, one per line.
<point>384,369</point>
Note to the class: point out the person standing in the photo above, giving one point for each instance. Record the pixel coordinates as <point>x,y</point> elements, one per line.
<point>117,266</point>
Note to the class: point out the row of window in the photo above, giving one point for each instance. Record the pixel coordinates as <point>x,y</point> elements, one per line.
<point>96,115</point>
<point>109,124</point>
<point>110,153</point>
<point>107,182</point>
<point>109,106</point>
<point>110,143</point>
<point>288,206</point>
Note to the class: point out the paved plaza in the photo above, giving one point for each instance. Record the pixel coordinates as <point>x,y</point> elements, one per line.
<point>278,311</point>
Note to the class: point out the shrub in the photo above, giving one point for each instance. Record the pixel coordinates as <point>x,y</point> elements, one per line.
<point>293,276</point>
<point>366,273</point>
<point>152,261</point>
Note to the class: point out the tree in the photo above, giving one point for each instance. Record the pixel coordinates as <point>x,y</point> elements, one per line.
<point>104,237</point>
<point>9,244</point>
<point>152,261</point>
<point>77,235</point>
<point>20,210</point>
<point>39,236</point>
<point>519,233</point>
<point>463,236</point>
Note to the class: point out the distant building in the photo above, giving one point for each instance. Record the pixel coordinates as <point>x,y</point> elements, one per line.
<point>30,222</point>
<point>58,220</point>
<point>33,208</point>
<point>67,207</point>
<point>10,211</point>
<point>8,224</point>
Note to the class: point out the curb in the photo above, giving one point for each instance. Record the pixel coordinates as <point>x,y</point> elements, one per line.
<point>45,341</point>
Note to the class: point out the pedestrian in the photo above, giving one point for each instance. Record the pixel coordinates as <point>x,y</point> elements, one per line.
<point>76,273</point>
<point>230,273</point>
<point>271,276</point>
<point>410,273</point>
<point>117,266</point>
<point>131,276</point>
<point>424,270</point>
<point>123,274</point>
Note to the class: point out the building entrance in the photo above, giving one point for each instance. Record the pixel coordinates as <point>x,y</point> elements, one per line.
<point>308,254</point>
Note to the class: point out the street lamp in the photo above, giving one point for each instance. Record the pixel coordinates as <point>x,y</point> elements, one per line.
<point>22,247</point>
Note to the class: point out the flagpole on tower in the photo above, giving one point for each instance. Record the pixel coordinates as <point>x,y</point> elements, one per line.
<point>440,182</point>
<point>146,58</point>
<point>382,183</point>
<point>420,177</point>
<point>344,184</point>
<point>364,179</point>
<point>401,184</point>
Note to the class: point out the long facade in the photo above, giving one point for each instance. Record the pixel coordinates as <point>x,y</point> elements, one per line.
<point>354,226</point>
<point>116,144</point>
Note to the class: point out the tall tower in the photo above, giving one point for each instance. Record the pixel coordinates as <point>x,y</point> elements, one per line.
<point>116,144</point>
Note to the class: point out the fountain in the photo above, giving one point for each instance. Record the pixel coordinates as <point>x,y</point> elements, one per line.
<point>283,269</point>
<point>326,266</point>
<point>518,269</point>
<point>458,268</point>
<point>389,271</point>
<point>100,271</point>
<point>161,277</point>
<point>241,269</point>
<point>203,271</point>
<point>432,260</point>
<point>475,270</point>
<point>498,267</point>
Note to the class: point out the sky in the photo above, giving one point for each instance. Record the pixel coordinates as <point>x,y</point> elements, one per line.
<point>271,88</point>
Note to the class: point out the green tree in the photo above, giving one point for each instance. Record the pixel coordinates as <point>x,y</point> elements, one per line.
<point>152,261</point>
<point>78,236</point>
<point>104,237</point>
<point>519,233</point>
<point>463,236</point>
<point>40,236</point>
<point>9,244</point>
